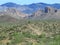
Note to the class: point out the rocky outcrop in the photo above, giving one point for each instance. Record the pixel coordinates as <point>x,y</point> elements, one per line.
<point>47,13</point>
<point>49,9</point>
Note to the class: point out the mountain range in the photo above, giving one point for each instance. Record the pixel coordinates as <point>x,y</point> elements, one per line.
<point>33,11</point>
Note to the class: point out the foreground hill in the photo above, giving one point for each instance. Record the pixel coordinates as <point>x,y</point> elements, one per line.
<point>30,32</point>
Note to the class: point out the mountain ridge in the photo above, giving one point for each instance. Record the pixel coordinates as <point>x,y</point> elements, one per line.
<point>32,11</point>
<point>31,7</point>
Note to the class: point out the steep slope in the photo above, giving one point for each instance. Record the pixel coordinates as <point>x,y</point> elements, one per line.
<point>47,13</point>
<point>12,14</point>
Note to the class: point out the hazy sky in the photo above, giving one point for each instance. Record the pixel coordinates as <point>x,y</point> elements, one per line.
<point>29,1</point>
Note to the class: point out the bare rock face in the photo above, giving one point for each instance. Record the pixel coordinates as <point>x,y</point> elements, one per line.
<point>47,13</point>
<point>16,12</point>
<point>13,13</point>
<point>49,9</point>
<point>39,12</point>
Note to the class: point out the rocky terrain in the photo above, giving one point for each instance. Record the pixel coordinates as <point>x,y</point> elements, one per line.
<point>32,11</point>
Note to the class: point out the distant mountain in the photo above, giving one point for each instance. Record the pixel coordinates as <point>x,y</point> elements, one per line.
<point>12,11</point>
<point>10,4</point>
<point>21,8</point>
<point>56,5</point>
<point>31,8</point>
